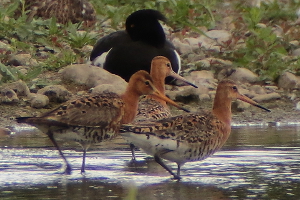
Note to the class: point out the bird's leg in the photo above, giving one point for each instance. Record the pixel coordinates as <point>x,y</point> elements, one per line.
<point>68,166</point>
<point>83,161</point>
<point>159,161</point>
<point>178,170</point>
<point>132,148</point>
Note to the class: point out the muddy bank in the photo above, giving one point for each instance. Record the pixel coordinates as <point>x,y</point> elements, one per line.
<point>282,112</point>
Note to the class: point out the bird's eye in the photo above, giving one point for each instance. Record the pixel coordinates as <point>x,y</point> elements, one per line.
<point>147,83</point>
<point>234,88</point>
<point>168,64</point>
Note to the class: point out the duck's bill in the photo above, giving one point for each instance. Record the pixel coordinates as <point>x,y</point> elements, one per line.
<point>178,77</point>
<point>166,99</point>
<point>250,101</point>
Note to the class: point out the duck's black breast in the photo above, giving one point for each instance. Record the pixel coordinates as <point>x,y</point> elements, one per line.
<point>125,61</point>
<point>125,56</point>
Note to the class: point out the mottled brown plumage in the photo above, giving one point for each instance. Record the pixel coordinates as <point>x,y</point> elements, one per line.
<point>191,137</point>
<point>65,11</point>
<point>93,119</point>
<point>152,108</point>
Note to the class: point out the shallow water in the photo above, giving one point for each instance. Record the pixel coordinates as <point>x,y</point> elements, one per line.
<point>257,162</point>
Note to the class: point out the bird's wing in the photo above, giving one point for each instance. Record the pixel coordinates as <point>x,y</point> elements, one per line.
<point>107,42</point>
<point>190,128</point>
<point>100,110</point>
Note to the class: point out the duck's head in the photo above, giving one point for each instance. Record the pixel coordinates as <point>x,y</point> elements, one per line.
<point>143,25</point>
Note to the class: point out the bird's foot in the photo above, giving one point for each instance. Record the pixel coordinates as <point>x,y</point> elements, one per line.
<point>68,170</point>
<point>82,171</point>
<point>176,177</point>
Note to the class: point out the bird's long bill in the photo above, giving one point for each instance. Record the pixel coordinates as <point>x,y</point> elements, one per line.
<point>250,101</point>
<point>178,77</point>
<point>166,99</point>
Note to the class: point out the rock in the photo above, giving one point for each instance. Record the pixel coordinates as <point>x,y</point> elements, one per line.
<point>188,93</point>
<point>261,25</point>
<point>87,49</point>
<point>195,57</point>
<point>278,31</point>
<point>5,47</point>
<point>20,87</point>
<point>109,88</point>
<point>294,43</point>
<point>271,88</point>
<point>39,101</point>
<point>212,94</point>
<point>22,59</point>
<point>203,79</point>
<point>292,96</point>
<point>193,43</point>
<point>257,89</point>
<point>185,94</point>
<point>214,39</point>
<point>182,47</point>
<point>22,69</point>
<point>227,23</point>
<point>4,132</point>
<point>242,75</point>
<point>8,95</point>
<point>296,52</point>
<point>90,76</point>
<point>204,97</point>
<point>207,62</point>
<point>266,97</point>
<point>219,35</point>
<point>288,81</point>
<point>55,93</point>
<point>246,92</point>
<point>298,106</point>
<point>240,106</point>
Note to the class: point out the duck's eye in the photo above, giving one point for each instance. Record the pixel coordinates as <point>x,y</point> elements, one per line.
<point>147,83</point>
<point>234,88</point>
<point>168,64</point>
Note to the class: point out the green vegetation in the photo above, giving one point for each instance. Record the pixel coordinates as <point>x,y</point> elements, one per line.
<point>266,53</point>
<point>262,51</point>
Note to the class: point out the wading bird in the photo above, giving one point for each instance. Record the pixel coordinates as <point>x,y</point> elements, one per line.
<point>94,119</point>
<point>190,137</point>
<point>151,107</point>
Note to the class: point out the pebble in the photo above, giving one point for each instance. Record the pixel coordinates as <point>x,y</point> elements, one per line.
<point>8,95</point>
<point>55,93</point>
<point>4,132</point>
<point>39,101</point>
<point>90,76</point>
<point>288,81</point>
<point>22,59</point>
<point>267,97</point>
<point>108,88</point>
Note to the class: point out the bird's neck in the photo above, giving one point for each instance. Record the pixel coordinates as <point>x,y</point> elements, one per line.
<point>131,105</point>
<point>159,83</point>
<point>222,109</point>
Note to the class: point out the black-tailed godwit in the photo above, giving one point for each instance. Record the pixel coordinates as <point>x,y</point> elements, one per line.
<point>94,119</point>
<point>190,137</point>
